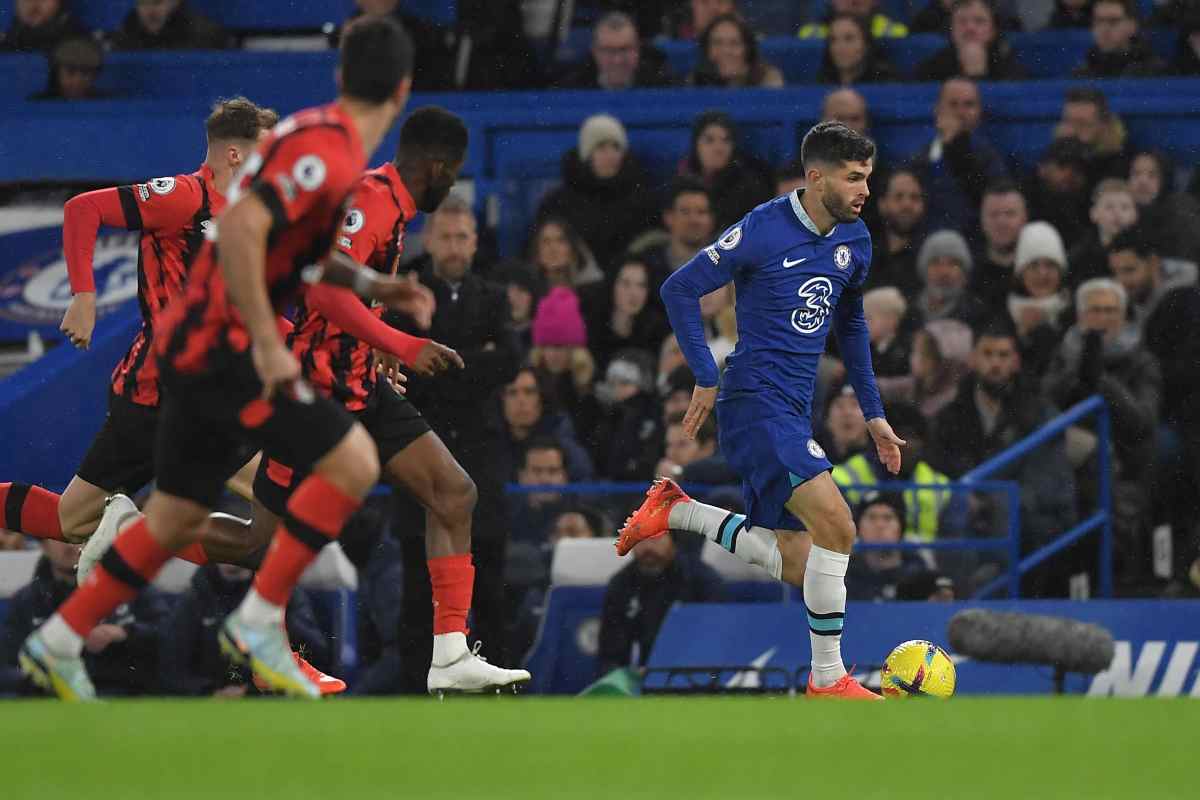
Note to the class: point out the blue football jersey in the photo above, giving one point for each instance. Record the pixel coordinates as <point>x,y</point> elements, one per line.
<point>793,286</point>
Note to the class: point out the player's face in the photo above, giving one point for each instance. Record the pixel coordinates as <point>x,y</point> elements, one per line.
<point>1002,216</point>
<point>631,289</point>
<point>845,190</point>
<point>847,48</point>
<point>714,148</point>
<point>903,204</point>
<point>1041,277</point>
<point>1113,212</point>
<point>1145,179</point>
<point>616,54</point>
<point>442,177</point>
<point>689,220</point>
<point>879,525</point>
<point>452,244</point>
<point>1103,312</point>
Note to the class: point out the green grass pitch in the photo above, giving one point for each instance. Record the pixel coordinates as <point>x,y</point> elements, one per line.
<point>601,748</point>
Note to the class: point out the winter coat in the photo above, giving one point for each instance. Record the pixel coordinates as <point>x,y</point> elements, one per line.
<point>628,439</point>
<point>185,29</point>
<point>865,583</point>
<point>955,182</point>
<point>25,39</point>
<point>1002,65</point>
<point>1139,61</point>
<point>652,72</point>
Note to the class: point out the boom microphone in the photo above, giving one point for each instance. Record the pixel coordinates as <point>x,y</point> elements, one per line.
<point>1013,638</point>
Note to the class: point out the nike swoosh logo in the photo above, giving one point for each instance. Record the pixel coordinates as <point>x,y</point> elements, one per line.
<point>787,262</point>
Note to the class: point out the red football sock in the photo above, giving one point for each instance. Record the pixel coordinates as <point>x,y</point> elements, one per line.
<point>316,513</point>
<point>194,553</point>
<point>453,578</point>
<point>31,510</point>
<point>132,562</point>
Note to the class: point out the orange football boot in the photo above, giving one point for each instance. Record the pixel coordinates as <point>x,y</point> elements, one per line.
<point>847,688</point>
<point>651,518</point>
<point>326,683</point>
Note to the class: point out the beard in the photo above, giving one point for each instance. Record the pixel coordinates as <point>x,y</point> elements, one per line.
<point>431,198</point>
<point>995,389</point>
<point>841,212</point>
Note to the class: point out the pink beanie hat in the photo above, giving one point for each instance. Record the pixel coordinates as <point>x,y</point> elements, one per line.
<point>557,321</point>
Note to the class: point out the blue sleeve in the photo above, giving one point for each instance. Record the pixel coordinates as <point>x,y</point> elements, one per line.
<point>854,341</point>
<point>709,270</point>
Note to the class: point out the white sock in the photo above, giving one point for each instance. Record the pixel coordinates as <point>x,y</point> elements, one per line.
<point>825,598</point>
<point>448,647</point>
<point>751,544</point>
<point>256,610</point>
<point>60,639</point>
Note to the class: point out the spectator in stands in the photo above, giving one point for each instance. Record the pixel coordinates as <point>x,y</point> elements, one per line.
<point>168,25</point>
<point>1187,57</point>
<point>995,408</point>
<point>845,430</point>
<point>1040,303</point>
<point>736,182</point>
<point>874,23</point>
<point>1057,191</point>
<point>847,107</point>
<point>730,58</point>
<point>529,411</point>
<point>670,359</point>
<point>885,309</point>
<point>720,322</point>
<point>192,661</point>
<point>789,178</point>
<point>619,60</point>
<point>628,433</point>
<point>523,289</point>
<point>1113,210</point>
<point>561,257</point>
<point>74,67</point>
<point>39,25</point>
<point>960,161</point>
<point>491,48</point>
<point>1071,14</point>
<point>940,351</point>
<point>1002,214</point>
<point>851,54</point>
<point>977,49</point>
<point>1086,117</point>
<point>560,349</point>
<point>902,219</point>
<point>1174,216</point>
<point>640,595</point>
<point>944,264</point>
<point>875,574</point>
<point>676,392</point>
<point>680,450</point>
<point>121,653</point>
<point>923,507</point>
<point>1119,51</point>
<point>628,315</point>
<point>434,61</point>
<point>926,586</point>
<point>935,17</point>
<point>605,193</point>
<point>700,14</point>
<point>542,463</point>
<point>1102,355</point>
<point>688,218</point>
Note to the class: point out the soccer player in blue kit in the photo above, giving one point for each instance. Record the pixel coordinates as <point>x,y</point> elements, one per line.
<point>798,264</point>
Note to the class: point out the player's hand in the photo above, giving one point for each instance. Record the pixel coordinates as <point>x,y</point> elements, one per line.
<point>80,319</point>
<point>434,358</point>
<point>102,636</point>
<point>703,400</point>
<point>887,443</point>
<point>275,365</point>
<point>410,296</point>
<point>388,367</point>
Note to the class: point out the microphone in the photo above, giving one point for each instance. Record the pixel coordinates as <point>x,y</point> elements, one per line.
<point>1013,638</point>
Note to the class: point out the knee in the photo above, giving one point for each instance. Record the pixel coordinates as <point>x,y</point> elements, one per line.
<point>836,531</point>
<point>455,496</point>
<point>353,466</point>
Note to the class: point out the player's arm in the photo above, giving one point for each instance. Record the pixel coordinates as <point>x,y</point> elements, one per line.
<point>403,294</point>
<point>707,271</point>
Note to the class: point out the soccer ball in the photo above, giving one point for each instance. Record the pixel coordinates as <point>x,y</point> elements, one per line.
<point>917,669</point>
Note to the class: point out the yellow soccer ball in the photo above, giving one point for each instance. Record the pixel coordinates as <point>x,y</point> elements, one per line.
<point>917,669</point>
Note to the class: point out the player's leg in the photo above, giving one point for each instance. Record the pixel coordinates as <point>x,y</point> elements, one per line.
<point>32,510</point>
<point>819,504</point>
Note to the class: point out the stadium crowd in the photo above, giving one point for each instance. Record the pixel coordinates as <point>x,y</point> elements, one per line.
<point>997,299</point>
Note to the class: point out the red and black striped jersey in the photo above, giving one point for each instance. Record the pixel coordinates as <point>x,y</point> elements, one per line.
<point>172,214</point>
<point>303,172</point>
<point>372,233</point>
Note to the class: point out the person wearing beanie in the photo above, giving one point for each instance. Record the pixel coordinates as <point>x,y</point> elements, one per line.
<point>560,348</point>
<point>944,265</point>
<point>1040,303</point>
<point>876,573</point>
<point>74,66</point>
<point>605,193</point>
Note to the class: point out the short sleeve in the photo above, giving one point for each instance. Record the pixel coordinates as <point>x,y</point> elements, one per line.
<point>161,204</point>
<point>304,171</point>
<point>367,224</point>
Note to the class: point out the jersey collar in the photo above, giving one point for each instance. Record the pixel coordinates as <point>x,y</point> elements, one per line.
<point>802,215</point>
<point>206,174</point>
<point>407,205</point>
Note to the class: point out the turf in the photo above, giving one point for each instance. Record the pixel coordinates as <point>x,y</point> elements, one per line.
<point>600,748</point>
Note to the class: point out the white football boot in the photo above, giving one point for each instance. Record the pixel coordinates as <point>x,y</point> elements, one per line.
<point>118,509</point>
<point>469,672</point>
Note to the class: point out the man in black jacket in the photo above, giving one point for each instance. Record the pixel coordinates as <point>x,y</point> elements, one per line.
<point>121,653</point>
<point>619,60</point>
<point>471,316</point>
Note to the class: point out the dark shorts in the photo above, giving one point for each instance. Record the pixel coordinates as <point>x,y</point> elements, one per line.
<point>773,451</point>
<point>393,422</point>
<point>121,458</point>
<point>207,420</point>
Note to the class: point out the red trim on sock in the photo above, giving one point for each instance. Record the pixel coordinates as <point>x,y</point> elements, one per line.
<point>322,506</point>
<point>452,578</point>
<point>194,553</point>
<point>102,592</point>
<point>38,515</point>
<point>286,560</point>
